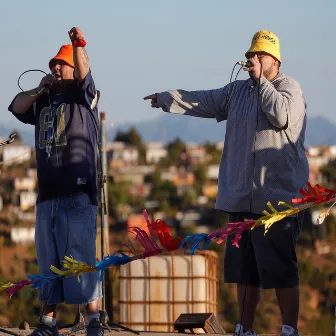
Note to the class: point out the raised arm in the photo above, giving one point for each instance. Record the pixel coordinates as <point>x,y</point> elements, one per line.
<point>283,104</point>
<point>203,104</point>
<point>81,59</point>
<point>281,99</point>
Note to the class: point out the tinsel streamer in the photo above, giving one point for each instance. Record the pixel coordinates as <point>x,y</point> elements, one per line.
<point>193,242</point>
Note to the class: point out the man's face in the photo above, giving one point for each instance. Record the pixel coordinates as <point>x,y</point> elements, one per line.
<point>268,63</point>
<point>61,70</point>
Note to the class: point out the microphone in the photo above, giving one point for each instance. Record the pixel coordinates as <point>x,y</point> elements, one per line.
<point>49,85</point>
<point>45,87</point>
<point>244,63</point>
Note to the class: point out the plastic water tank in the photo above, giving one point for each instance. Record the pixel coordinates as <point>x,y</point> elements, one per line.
<point>155,291</point>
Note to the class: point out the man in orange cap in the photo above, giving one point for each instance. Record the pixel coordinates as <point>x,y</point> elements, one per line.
<point>63,109</point>
<point>263,160</point>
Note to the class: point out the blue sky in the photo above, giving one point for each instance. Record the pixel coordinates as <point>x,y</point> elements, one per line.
<point>140,47</point>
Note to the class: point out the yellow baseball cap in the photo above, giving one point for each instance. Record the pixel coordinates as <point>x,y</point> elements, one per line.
<point>265,41</point>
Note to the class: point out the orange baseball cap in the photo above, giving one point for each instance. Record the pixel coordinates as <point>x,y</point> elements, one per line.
<point>65,54</point>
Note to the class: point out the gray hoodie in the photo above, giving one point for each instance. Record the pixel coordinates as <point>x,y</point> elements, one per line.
<point>264,156</point>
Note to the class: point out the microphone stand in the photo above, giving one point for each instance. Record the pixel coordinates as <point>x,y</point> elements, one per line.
<point>9,141</point>
<point>104,317</point>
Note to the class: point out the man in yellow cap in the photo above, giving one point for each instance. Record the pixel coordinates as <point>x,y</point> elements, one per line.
<point>263,160</point>
<point>64,112</point>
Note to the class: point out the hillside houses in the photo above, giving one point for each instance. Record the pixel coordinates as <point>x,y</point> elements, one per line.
<point>126,166</point>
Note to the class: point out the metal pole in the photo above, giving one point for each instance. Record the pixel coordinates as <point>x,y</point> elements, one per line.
<point>104,221</point>
<point>103,212</point>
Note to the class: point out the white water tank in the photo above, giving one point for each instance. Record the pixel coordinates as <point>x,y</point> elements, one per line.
<point>155,291</point>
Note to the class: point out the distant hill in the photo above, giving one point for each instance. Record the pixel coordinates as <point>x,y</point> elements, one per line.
<point>167,127</point>
<point>320,131</point>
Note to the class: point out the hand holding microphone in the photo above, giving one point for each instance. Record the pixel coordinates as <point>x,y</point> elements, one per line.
<point>253,66</point>
<point>46,83</point>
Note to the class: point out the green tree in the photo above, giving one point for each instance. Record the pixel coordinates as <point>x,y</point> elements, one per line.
<point>7,190</point>
<point>213,152</point>
<point>166,193</point>
<point>174,149</point>
<point>130,137</point>
<point>201,174</point>
<point>188,199</point>
<point>166,190</point>
<point>117,195</point>
<point>201,177</point>
<point>156,178</point>
<point>329,173</point>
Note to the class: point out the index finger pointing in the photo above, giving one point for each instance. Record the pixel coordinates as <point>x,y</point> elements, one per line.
<point>152,96</point>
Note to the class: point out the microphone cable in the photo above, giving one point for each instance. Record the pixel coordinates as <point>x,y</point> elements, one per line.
<point>249,241</point>
<point>226,108</point>
<point>231,87</point>
<point>52,112</point>
<point>32,70</point>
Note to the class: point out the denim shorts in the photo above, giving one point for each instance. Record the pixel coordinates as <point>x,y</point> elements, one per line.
<point>267,261</point>
<point>67,227</point>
